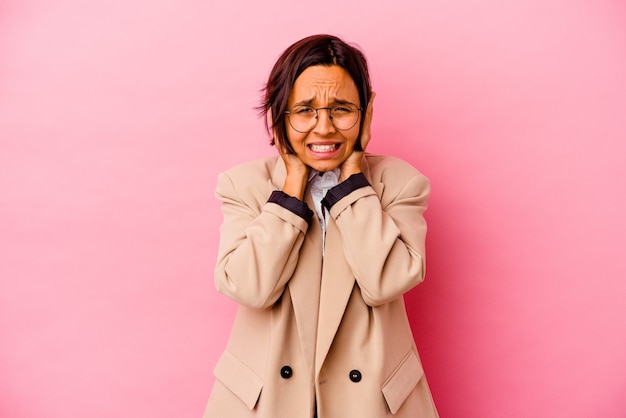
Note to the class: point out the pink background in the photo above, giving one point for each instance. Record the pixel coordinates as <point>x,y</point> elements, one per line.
<point>116,117</point>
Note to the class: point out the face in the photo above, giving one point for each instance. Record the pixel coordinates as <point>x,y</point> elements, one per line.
<point>324,148</point>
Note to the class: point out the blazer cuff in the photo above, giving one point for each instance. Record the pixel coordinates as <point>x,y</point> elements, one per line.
<point>343,189</point>
<point>291,203</point>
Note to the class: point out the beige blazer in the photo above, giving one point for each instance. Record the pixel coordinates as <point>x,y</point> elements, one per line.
<point>328,332</point>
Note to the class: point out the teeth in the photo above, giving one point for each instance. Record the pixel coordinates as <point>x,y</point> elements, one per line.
<point>323,148</point>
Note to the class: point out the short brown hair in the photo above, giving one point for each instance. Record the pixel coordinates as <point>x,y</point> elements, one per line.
<point>313,50</point>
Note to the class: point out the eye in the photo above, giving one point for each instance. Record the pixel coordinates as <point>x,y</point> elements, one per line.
<point>342,109</point>
<point>303,110</point>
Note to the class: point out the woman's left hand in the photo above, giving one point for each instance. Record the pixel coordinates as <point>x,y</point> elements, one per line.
<point>353,164</point>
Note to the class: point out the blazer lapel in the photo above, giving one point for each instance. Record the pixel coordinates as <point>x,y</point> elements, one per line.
<point>337,284</point>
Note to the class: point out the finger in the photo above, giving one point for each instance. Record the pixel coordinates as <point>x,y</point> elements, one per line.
<point>366,134</point>
<point>370,105</point>
<point>369,112</point>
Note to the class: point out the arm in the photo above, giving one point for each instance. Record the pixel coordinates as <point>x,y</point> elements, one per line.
<point>383,239</point>
<point>383,242</point>
<point>258,248</point>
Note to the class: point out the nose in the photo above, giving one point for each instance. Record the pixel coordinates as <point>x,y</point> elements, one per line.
<point>324,124</point>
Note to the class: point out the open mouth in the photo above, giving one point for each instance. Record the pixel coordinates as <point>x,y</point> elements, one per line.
<point>324,148</point>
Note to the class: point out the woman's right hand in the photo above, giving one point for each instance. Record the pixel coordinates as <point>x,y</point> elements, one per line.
<point>297,173</point>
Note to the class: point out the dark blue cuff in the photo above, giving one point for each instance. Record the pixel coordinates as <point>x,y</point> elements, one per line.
<point>292,204</point>
<point>343,189</point>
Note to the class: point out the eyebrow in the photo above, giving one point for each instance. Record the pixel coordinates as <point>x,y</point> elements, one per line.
<point>304,102</point>
<point>311,100</point>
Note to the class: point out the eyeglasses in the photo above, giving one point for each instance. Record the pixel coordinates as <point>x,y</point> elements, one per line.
<point>343,116</point>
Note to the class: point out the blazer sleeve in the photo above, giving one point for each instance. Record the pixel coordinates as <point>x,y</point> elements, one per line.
<point>259,246</point>
<point>384,238</point>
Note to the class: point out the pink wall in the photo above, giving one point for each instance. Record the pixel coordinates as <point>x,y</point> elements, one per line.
<point>115,118</point>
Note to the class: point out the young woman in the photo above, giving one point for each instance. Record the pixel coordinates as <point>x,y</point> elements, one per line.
<point>318,246</point>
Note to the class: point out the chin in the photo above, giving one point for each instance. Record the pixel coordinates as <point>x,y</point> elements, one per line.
<point>324,167</point>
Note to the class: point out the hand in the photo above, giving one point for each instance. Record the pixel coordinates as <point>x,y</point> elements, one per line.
<point>353,164</point>
<point>297,173</point>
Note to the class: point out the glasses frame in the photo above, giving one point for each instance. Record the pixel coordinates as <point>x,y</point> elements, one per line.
<point>330,116</point>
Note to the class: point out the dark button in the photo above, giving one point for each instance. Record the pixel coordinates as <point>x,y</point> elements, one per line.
<point>355,376</point>
<point>286,372</point>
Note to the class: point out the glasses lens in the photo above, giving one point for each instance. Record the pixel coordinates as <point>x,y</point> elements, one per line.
<point>302,118</point>
<point>344,116</point>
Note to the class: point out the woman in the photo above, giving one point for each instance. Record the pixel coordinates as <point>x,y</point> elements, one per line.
<point>318,246</point>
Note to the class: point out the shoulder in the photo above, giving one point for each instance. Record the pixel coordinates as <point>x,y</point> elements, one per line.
<point>261,168</point>
<point>385,168</point>
<point>249,180</point>
<point>395,179</point>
